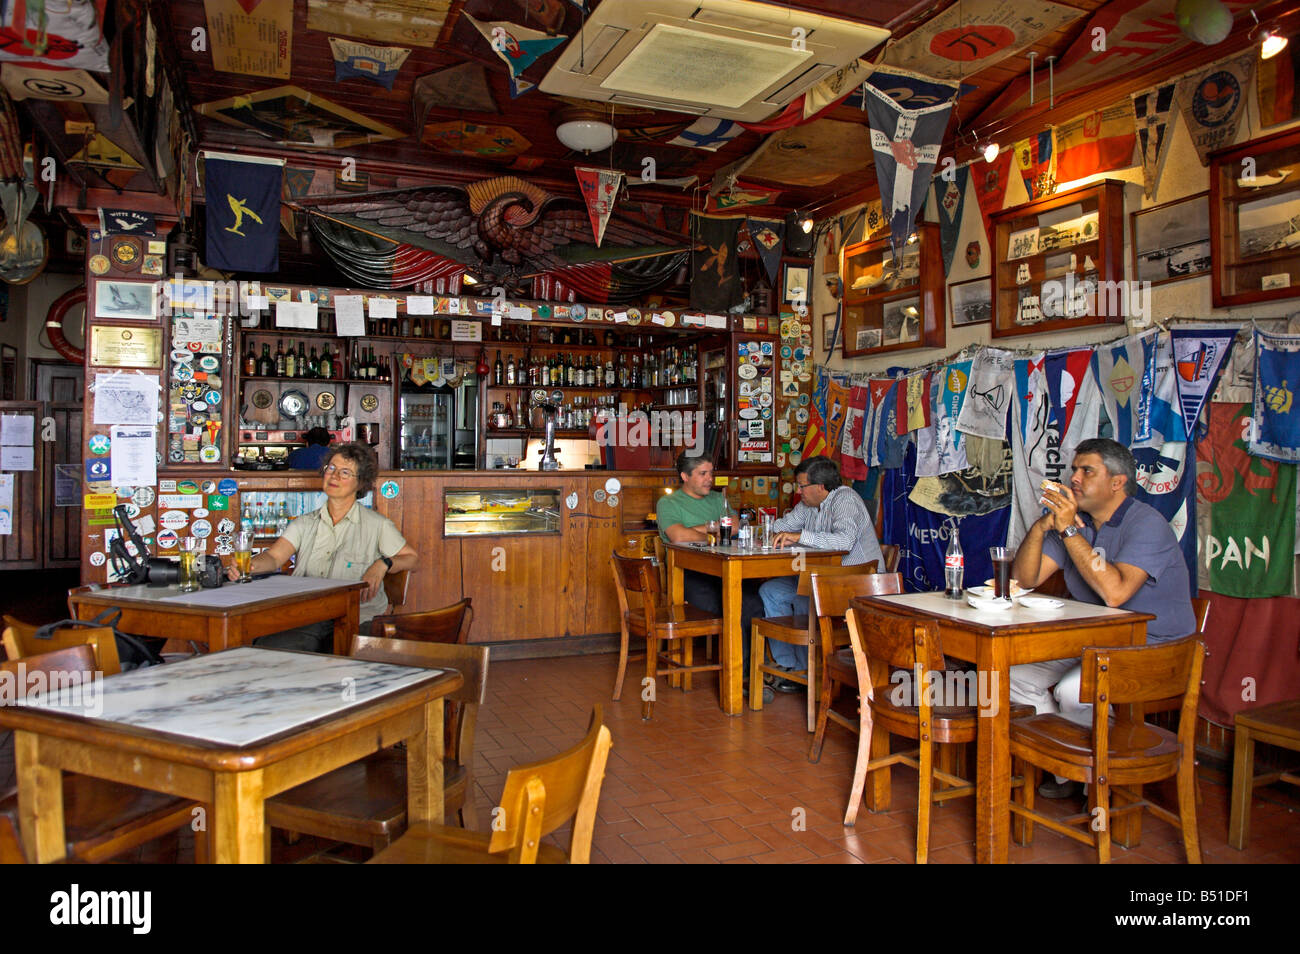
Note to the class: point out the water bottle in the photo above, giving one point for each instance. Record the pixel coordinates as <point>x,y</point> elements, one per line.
<point>744,531</point>
<point>954,566</point>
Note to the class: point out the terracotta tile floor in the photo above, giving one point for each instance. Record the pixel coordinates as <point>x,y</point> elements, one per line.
<point>696,786</point>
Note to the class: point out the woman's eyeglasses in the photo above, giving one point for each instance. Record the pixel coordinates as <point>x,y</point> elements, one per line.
<point>341,471</point>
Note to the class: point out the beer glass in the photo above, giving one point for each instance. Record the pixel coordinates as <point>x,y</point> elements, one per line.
<point>768,523</point>
<point>191,547</point>
<point>711,531</point>
<point>244,556</point>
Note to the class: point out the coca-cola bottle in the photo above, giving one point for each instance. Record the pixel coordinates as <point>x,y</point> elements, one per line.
<point>954,566</point>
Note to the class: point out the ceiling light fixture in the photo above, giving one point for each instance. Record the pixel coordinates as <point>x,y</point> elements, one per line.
<point>806,223</point>
<point>1274,43</point>
<point>584,130</point>
<point>991,150</point>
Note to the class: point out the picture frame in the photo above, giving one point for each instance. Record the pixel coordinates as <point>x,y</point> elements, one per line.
<point>971,302</point>
<point>8,373</point>
<point>119,300</point>
<point>796,289</point>
<point>1170,242</point>
<point>829,336</point>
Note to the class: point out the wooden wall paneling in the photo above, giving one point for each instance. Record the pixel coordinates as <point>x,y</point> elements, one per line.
<point>577,525</point>
<point>23,547</point>
<point>519,586</point>
<point>63,524</point>
<point>623,529</point>
<point>417,510</point>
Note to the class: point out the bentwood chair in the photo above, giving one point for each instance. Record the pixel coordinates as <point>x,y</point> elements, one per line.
<point>539,797</point>
<point>889,556</point>
<point>448,624</point>
<point>20,640</point>
<point>831,596</point>
<point>796,631</point>
<point>102,818</point>
<point>881,640</point>
<point>395,585</point>
<point>364,802</point>
<point>1111,757</point>
<point>645,613</point>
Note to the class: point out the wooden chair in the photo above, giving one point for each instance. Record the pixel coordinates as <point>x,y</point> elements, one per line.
<point>889,554</point>
<point>20,641</point>
<point>450,624</point>
<point>1129,752</point>
<point>538,798</point>
<point>797,631</point>
<point>880,640</point>
<point>831,596</point>
<point>1276,724</point>
<point>11,848</point>
<point>364,802</point>
<point>395,589</point>
<point>102,818</point>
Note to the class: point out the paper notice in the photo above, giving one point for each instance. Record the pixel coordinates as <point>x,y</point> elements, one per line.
<point>6,504</point>
<point>349,316</point>
<point>16,429</point>
<point>382,307</point>
<point>17,458</point>
<point>295,314</point>
<point>133,460</point>
<point>715,321</point>
<point>126,399</point>
<point>419,304</point>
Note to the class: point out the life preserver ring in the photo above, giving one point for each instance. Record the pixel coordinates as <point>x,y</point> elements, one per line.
<point>54,324</point>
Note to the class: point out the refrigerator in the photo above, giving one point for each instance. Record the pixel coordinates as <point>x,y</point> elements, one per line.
<point>427,439</point>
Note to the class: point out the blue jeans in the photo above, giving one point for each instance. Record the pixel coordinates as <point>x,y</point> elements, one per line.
<point>781,598</point>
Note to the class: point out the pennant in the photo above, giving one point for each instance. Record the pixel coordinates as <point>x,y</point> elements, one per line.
<point>599,189</point>
<point>952,200</point>
<point>1154,114</point>
<point>1036,160</point>
<point>950,441</point>
<point>740,196</point>
<point>715,277</point>
<point>837,400</point>
<point>989,393</point>
<point>991,180</point>
<point>888,446</point>
<point>853,444</point>
<point>1166,480</point>
<point>1276,434</point>
<point>26,82</point>
<point>1125,371</point>
<point>243,219</point>
<point>464,86</point>
<point>1276,81</point>
<point>707,134</point>
<point>1213,102</point>
<point>906,145</point>
<point>1033,445</point>
<point>1249,551</point>
<point>379,64</point>
<point>768,236</point>
<point>1165,415</point>
<point>126,222</point>
<point>875,223</point>
<point>1096,142</point>
<point>877,389</point>
<point>918,401</point>
<point>517,46</point>
<point>911,91</point>
<point>1200,355</point>
<point>835,87</point>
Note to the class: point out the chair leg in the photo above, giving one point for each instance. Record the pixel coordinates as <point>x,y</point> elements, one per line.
<point>202,847</point>
<point>812,681</point>
<point>651,674</point>
<point>622,665</point>
<point>947,763</point>
<point>1099,797</point>
<point>468,813</point>
<point>823,707</point>
<point>1187,792</point>
<point>860,768</point>
<point>688,658</point>
<point>756,649</point>
<point>925,788</point>
<point>1023,828</point>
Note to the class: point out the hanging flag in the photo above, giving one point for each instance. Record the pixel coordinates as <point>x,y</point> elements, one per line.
<point>1068,373</point>
<point>928,441</point>
<point>1164,414</point>
<point>1276,81</point>
<point>950,441</point>
<point>1125,371</point>
<point>518,47</point>
<point>68,34</point>
<point>464,86</point>
<point>952,200</point>
<point>1036,160</point>
<point>741,195</point>
<point>715,277</point>
<point>599,189</point>
<point>379,64</point>
<point>243,196</point>
<point>126,222</point>
<point>1213,102</point>
<point>885,447</point>
<point>1200,354</point>
<point>988,395</point>
<point>768,236</point>
<point>1276,434</point>
<point>875,222</point>
<point>906,145</point>
<point>837,398</point>
<point>1033,444</point>
<point>1154,115</point>
<point>1098,141</point>
<point>708,134</point>
<point>853,445</point>
<point>991,180</point>
<point>918,401</point>
<point>1166,480</point>
<point>1251,545</point>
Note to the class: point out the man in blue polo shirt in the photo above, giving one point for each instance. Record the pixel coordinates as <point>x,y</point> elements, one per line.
<point>1125,556</point>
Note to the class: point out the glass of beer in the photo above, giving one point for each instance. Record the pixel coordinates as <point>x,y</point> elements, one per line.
<point>711,531</point>
<point>1001,558</point>
<point>244,556</point>
<point>191,547</point>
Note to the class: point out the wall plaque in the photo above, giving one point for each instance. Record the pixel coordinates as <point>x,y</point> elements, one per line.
<point>115,346</point>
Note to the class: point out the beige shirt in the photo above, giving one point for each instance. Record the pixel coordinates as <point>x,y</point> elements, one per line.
<point>344,551</point>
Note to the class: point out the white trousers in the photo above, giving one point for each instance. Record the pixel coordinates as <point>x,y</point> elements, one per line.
<point>1051,687</point>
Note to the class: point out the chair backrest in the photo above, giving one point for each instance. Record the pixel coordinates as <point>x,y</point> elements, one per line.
<point>470,661</point>
<point>70,659</point>
<point>890,553</point>
<point>804,586</point>
<point>20,641</point>
<point>886,639</point>
<point>450,624</point>
<point>635,575</point>
<point>831,595</point>
<point>395,587</point>
<point>542,796</point>
<point>1201,610</point>
<point>661,561</point>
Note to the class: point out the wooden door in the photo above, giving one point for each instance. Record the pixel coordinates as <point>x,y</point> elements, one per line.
<point>62,495</point>
<point>22,548</point>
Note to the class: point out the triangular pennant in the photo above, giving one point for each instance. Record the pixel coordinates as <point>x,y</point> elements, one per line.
<point>951,194</point>
<point>768,236</point>
<point>1200,354</point>
<point>1154,111</point>
<point>708,134</point>
<point>599,190</point>
<point>991,180</point>
<point>517,46</point>
<point>1213,102</point>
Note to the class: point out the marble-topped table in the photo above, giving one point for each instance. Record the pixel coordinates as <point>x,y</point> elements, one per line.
<point>231,615</point>
<point>228,730</point>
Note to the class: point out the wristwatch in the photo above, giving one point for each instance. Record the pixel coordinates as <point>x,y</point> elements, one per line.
<point>388,562</point>
<point>1070,531</point>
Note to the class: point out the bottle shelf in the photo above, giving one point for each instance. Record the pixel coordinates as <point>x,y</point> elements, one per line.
<point>276,377</point>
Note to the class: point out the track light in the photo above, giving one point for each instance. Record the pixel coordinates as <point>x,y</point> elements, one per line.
<point>991,150</point>
<point>1274,43</point>
<point>806,223</point>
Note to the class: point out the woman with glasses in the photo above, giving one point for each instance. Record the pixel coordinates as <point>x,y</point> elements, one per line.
<point>341,541</point>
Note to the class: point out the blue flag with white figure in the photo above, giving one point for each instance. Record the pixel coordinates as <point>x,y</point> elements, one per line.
<point>1276,434</point>
<point>243,212</point>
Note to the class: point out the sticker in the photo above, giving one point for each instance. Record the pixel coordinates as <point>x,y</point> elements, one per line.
<point>182,357</point>
<point>222,539</point>
<point>97,558</point>
<point>747,371</point>
<point>795,443</point>
<point>767,348</point>
<point>226,526</point>
<point>187,487</point>
<point>633,316</point>
<point>182,372</point>
<point>757,429</point>
<point>97,470</point>
<point>795,458</point>
<point>579,312</point>
<point>745,484</point>
<point>213,398</point>
<point>174,519</point>
<point>218,502</point>
<point>166,486</point>
<point>99,444</point>
<point>99,265</point>
<point>200,512</point>
<point>753,347</point>
<point>209,454</point>
<point>613,486</point>
<point>780,462</point>
<point>131,510</point>
<point>168,539</point>
<point>152,265</point>
<point>100,501</point>
<point>228,486</point>
<point>224,549</point>
<point>785,351</point>
<point>612,500</point>
<point>209,486</point>
<point>209,362</point>
<point>766,413</point>
<point>803,401</point>
<point>179,501</point>
<point>176,455</point>
<point>143,496</point>
<point>798,354</point>
<point>200,529</point>
<point>748,413</point>
<point>389,489</point>
<point>765,399</point>
<point>599,495</point>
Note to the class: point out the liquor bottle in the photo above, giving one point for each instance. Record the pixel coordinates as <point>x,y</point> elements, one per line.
<point>591,372</point>
<point>498,370</point>
<point>282,521</point>
<point>510,413</point>
<point>279,358</point>
<point>313,364</point>
<point>326,363</point>
<point>954,566</point>
<point>372,372</point>
<point>266,364</point>
<point>510,370</point>
<point>290,363</point>
<point>305,370</point>
<point>609,374</point>
<point>259,519</point>
<point>250,360</point>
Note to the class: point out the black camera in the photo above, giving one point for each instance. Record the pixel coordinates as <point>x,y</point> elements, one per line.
<point>156,571</point>
<point>211,573</point>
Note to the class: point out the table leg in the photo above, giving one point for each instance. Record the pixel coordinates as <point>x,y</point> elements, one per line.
<point>1127,830</point>
<point>40,802</point>
<point>1243,786</point>
<point>424,778</point>
<point>993,759</point>
<point>732,652</point>
<point>239,825</point>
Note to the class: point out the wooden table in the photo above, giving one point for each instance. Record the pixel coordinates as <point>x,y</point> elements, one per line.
<point>230,730</point>
<point>995,641</point>
<point>230,615</point>
<point>732,565</point>
<point>1275,724</point>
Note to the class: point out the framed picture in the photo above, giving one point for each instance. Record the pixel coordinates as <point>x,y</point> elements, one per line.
<point>8,372</point>
<point>971,302</point>
<point>797,289</point>
<point>125,301</point>
<point>828,329</point>
<point>1171,242</point>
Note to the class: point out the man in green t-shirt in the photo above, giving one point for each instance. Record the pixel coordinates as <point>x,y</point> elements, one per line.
<point>683,517</point>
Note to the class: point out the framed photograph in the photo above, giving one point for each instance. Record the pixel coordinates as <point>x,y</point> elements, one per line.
<point>901,321</point>
<point>971,302</point>
<point>125,301</point>
<point>1171,242</point>
<point>828,329</point>
<point>797,289</point>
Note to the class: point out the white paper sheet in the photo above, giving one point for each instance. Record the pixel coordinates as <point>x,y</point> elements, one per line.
<point>295,314</point>
<point>206,331</point>
<point>17,429</point>
<point>132,456</point>
<point>6,504</point>
<point>349,316</point>
<point>126,399</point>
<point>419,304</point>
<point>382,307</point>
<point>17,458</point>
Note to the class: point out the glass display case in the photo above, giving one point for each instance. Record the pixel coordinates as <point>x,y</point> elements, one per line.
<point>893,305</point>
<point>428,419</point>
<point>512,511</point>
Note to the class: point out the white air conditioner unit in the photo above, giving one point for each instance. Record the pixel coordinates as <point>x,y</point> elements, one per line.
<point>728,59</point>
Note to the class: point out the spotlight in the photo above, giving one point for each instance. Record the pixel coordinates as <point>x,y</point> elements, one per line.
<point>991,151</point>
<point>1274,43</point>
<point>807,223</point>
